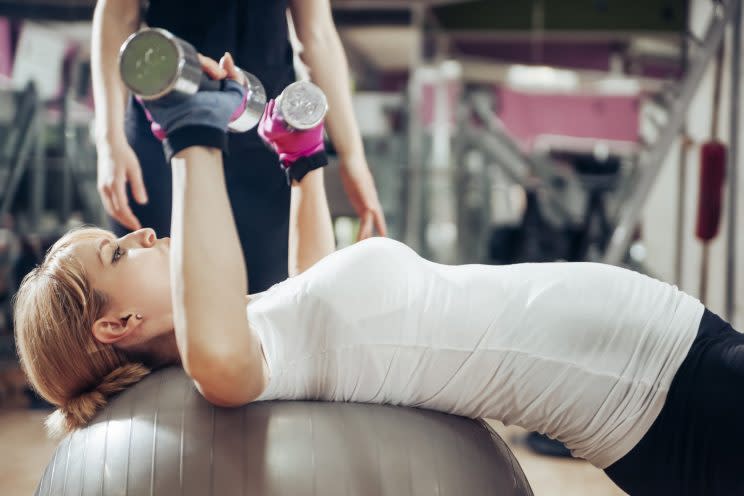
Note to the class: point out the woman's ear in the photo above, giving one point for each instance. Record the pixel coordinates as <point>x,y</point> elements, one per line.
<point>111,329</point>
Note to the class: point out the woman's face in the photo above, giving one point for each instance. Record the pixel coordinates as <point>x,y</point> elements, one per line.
<point>134,272</point>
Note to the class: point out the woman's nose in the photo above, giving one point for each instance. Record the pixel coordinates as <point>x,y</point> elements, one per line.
<point>145,237</point>
<point>149,236</point>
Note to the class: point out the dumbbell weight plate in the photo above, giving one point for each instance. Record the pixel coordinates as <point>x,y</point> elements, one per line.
<point>254,105</point>
<point>302,105</point>
<point>154,63</point>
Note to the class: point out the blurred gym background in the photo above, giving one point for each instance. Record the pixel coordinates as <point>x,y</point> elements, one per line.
<point>498,132</point>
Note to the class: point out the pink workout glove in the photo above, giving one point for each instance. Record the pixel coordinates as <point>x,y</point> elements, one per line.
<point>300,151</point>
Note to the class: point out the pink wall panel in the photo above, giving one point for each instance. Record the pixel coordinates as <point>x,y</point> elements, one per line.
<point>529,115</point>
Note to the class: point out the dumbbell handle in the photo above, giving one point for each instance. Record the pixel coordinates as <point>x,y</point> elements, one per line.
<point>209,84</point>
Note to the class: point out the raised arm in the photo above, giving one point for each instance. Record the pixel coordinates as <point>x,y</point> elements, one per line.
<point>310,229</point>
<point>302,156</point>
<point>218,348</point>
<point>113,22</point>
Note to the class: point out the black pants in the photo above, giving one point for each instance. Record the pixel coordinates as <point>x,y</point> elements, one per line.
<point>258,193</point>
<point>696,444</point>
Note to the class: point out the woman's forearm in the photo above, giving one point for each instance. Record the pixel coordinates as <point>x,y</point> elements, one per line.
<point>310,228</point>
<point>113,22</point>
<point>208,275</point>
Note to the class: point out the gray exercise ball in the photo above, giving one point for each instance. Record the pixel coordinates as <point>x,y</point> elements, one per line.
<point>161,437</point>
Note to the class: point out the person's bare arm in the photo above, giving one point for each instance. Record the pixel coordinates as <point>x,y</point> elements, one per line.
<point>324,55</point>
<point>310,228</point>
<point>113,22</point>
<point>218,348</point>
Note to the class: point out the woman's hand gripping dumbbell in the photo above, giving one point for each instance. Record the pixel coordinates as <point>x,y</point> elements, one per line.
<point>299,150</point>
<point>241,118</point>
<point>202,118</point>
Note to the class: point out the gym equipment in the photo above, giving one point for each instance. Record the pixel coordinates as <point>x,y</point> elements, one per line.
<point>712,176</point>
<point>684,148</point>
<point>652,158</point>
<point>10,251</point>
<point>733,165</point>
<point>302,105</point>
<point>160,437</point>
<point>21,153</point>
<point>156,64</point>
<point>599,178</point>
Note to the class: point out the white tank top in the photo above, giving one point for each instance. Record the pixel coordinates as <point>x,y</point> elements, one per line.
<point>582,352</point>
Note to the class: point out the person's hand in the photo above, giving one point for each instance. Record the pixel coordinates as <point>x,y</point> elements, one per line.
<point>117,166</point>
<point>290,145</point>
<point>212,109</point>
<point>362,193</point>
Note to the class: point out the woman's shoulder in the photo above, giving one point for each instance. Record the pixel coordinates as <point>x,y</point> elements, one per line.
<point>360,261</point>
<point>370,254</point>
<point>380,245</point>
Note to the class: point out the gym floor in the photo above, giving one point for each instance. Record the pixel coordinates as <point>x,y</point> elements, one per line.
<point>25,451</point>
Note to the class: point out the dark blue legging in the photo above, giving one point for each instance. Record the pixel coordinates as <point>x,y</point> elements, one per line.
<point>258,193</point>
<point>696,444</point>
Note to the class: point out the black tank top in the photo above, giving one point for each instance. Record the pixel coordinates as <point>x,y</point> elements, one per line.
<point>253,31</point>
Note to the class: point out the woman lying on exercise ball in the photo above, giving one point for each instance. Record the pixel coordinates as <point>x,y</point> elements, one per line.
<point>630,373</point>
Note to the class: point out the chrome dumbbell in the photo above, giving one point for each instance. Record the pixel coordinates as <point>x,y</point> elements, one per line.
<point>156,64</point>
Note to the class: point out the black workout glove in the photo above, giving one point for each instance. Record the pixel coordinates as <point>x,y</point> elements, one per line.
<point>198,120</point>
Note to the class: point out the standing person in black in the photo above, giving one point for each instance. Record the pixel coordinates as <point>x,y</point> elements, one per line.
<point>256,33</point>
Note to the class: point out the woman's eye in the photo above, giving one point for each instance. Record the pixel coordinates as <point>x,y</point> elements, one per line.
<point>118,253</point>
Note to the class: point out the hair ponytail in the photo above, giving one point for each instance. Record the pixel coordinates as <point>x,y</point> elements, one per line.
<point>80,410</point>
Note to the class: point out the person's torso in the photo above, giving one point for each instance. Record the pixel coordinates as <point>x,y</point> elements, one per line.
<point>583,352</point>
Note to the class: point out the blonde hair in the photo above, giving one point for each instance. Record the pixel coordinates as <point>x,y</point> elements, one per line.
<point>54,311</point>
